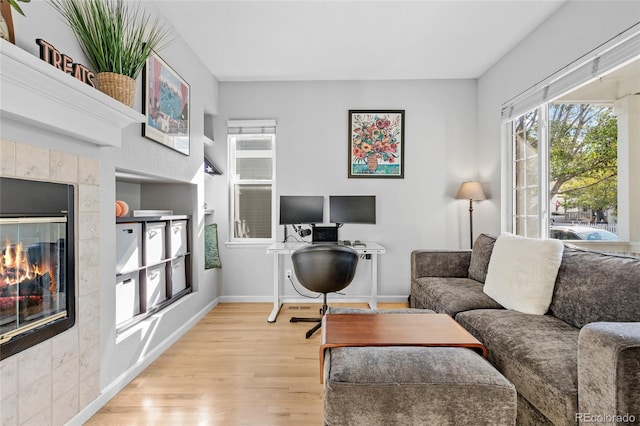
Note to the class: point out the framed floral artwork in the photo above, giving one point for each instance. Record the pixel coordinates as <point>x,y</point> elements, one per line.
<point>376,144</point>
<point>165,100</point>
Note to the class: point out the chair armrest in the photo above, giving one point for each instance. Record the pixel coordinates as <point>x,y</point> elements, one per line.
<point>609,371</point>
<point>440,263</point>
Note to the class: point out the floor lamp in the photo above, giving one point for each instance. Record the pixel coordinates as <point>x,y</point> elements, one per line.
<point>471,191</point>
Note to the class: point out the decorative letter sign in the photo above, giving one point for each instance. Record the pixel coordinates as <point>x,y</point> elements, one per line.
<point>51,55</point>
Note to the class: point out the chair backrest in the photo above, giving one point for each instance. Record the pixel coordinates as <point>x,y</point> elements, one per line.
<point>325,268</point>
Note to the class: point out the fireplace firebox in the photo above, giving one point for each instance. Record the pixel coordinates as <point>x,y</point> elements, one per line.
<point>37,279</point>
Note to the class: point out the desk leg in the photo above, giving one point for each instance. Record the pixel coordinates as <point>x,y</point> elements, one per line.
<point>277,304</point>
<point>374,282</point>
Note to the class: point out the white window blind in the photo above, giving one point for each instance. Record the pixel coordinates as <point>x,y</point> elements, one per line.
<point>613,54</point>
<point>256,127</point>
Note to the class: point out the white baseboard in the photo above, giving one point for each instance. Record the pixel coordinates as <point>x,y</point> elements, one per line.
<point>293,299</point>
<point>125,378</point>
<point>246,299</point>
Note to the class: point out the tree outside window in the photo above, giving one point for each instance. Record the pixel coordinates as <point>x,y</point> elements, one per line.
<point>583,163</point>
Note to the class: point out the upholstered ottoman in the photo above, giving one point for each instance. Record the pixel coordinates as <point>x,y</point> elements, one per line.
<point>407,385</point>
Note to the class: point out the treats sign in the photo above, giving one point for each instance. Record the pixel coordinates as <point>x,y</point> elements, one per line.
<point>51,55</point>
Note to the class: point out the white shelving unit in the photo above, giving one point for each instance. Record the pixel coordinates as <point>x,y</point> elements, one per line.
<point>152,265</point>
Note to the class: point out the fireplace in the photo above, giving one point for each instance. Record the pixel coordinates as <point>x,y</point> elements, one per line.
<point>37,280</point>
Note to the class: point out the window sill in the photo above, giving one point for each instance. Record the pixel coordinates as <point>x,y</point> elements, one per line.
<point>243,245</point>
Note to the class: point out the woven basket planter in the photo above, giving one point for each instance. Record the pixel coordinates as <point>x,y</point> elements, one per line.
<point>120,87</point>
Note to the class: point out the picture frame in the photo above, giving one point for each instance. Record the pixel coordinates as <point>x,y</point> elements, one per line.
<point>166,103</point>
<point>376,143</point>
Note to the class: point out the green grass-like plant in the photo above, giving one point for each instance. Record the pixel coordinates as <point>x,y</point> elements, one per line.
<point>16,6</point>
<point>115,35</point>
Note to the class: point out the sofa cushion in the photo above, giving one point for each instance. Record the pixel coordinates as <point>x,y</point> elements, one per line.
<point>537,353</point>
<point>451,295</point>
<point>593,286</point>
<point>440,263</point>
<point>480,256</point>
<point>522,273</point>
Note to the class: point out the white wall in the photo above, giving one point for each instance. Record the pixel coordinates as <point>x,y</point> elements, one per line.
<point>121,357</point>
<point>418,211</point>
<point>575,29</point>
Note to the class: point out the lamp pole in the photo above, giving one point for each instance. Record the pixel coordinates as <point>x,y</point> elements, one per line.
<point>471,223</point>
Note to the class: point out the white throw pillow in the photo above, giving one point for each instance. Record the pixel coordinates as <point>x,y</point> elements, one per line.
<point>522,273</point>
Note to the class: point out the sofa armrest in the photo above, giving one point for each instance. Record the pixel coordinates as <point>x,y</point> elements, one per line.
<point>609,372</point>
<point>440,263</point>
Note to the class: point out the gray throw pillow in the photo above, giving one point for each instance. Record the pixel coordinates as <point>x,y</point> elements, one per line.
<point>480,256</point>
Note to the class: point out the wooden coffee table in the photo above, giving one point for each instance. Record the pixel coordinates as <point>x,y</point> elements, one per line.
<point>340,330</point>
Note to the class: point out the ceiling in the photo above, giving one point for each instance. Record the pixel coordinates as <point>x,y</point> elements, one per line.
<point>353,39</point>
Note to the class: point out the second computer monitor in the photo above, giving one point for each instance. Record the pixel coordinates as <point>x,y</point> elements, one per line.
<point>352,209</point>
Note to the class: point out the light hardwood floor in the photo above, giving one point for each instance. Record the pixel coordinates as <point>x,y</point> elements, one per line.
<point>231,368</point>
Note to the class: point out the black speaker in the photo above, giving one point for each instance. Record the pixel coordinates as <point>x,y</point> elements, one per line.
<point>325,234</point>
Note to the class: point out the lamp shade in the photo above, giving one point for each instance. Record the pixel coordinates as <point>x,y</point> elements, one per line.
<point>471,191</point>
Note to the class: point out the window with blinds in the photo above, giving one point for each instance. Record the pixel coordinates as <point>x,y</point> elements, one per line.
<point>252,177</point>
<point>574,146</point>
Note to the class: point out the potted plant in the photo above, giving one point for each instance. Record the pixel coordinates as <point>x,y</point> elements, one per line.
<point>117,38</point>
<point>6,22</point>
<point>16,6</point>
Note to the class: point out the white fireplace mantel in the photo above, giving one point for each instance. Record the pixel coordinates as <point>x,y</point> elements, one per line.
<point>34,92</point>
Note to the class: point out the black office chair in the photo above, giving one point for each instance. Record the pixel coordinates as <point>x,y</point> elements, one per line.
<point>323,268</point>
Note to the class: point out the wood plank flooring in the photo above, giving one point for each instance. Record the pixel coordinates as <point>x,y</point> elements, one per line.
<point>232,368</point>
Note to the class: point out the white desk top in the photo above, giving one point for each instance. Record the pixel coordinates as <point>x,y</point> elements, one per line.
<point>289,247</point>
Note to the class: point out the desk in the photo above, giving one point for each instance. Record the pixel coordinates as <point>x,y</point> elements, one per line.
<point>280,250</point>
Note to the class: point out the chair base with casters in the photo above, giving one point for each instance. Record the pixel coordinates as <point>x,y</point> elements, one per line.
<point>316,327</point>
<point>323,268</point>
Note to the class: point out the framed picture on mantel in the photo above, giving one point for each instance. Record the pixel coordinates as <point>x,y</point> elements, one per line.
<point>376,144</point>
<point>165,100</point>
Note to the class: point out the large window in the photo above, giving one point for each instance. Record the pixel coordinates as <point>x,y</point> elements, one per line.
<point>252,169</point>
<point>574,143</point>
<point>565,171</point>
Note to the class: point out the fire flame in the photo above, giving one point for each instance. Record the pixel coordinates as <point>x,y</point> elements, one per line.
<point>15,267</point>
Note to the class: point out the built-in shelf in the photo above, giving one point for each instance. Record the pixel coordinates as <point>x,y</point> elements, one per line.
<point>153,265</point>
<point>38,94</point>
<point>207,140</point>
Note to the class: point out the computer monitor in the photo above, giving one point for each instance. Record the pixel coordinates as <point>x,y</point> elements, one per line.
<point>301,209</point>
<point>352,209</point>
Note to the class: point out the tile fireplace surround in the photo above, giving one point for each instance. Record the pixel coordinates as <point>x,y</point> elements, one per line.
<point>50,382</point>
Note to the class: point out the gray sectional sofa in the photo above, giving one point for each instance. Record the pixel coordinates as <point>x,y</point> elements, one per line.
<point>579,363</point>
